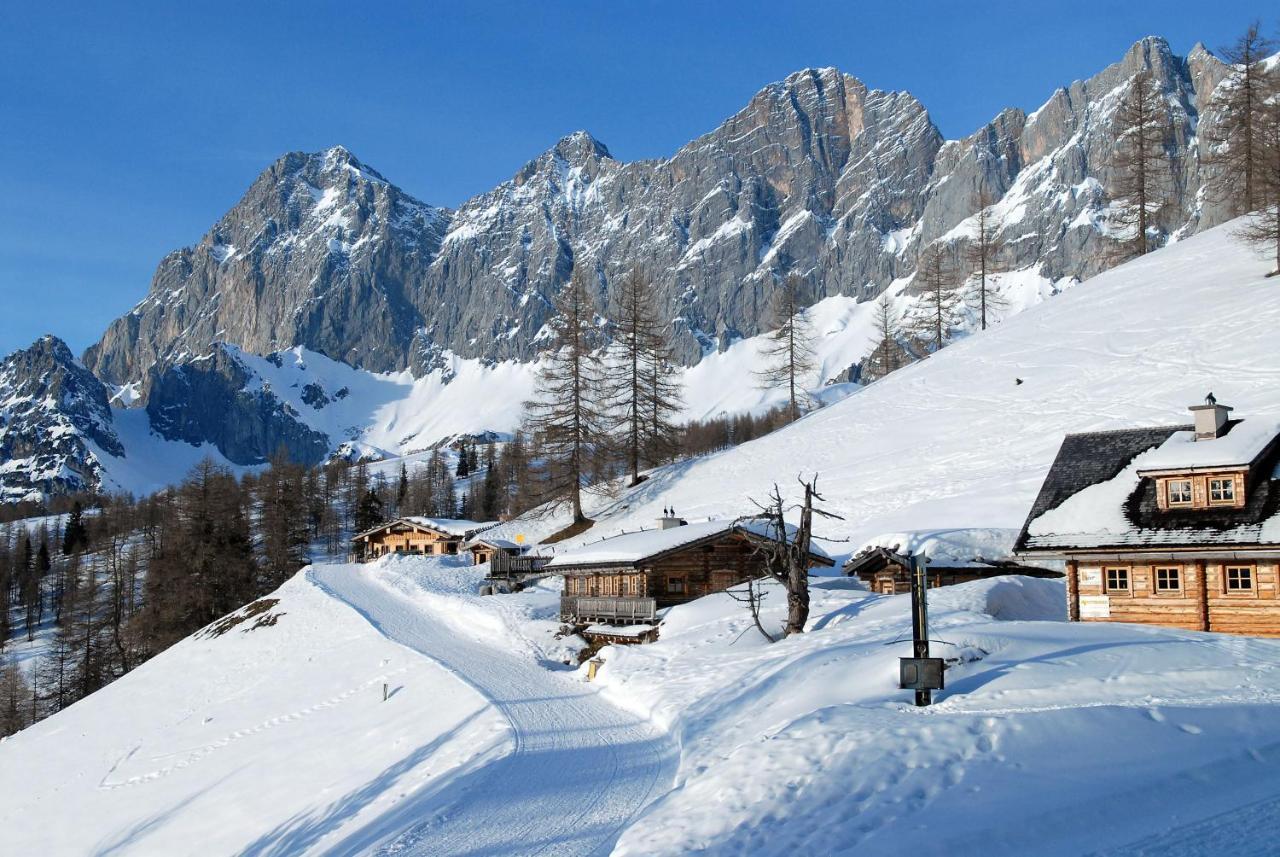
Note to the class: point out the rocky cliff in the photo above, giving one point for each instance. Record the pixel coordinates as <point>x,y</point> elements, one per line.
<point>55,422</point>
<point>817,174</point>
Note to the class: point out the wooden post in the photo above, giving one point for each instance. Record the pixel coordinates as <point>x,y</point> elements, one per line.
<point>1202,584</point>
<point>384,691</point>
<point>920,619</point>
<point>1073,591</point>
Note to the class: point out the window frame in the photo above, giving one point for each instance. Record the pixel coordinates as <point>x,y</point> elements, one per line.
<point>1106,580</point>
<point>1251,571</point>
<point>676,584</point>
<point>1168,493</point>
<point>1179,575</point>
<point>1229,483</point>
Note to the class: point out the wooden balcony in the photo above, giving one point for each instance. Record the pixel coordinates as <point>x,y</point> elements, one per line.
<point>607,609</point>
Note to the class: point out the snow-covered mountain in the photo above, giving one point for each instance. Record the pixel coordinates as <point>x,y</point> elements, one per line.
<point>711,741</point>
<point>429,319</point>
<point>817,174</point>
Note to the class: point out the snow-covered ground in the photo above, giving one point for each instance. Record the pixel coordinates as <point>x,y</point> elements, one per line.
<point>1051,738</point>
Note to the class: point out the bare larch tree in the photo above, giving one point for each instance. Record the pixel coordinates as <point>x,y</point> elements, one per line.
<point>938,310</point>
<point>1263,225</point>
<point>639,381</point>
<point>1236,140</point>
<point>788,349</point>
<point>888,355</point>
<point>565,412</point>
<point>982,254</point>
<point>1139,160</point>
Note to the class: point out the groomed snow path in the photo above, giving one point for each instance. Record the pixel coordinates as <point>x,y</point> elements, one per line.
<point>580,771</point>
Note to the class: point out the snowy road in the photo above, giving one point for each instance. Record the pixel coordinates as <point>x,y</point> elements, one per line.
<point>579,772</point>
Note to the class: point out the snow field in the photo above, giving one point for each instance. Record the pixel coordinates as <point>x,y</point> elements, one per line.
<point>1051,738</point>
<point>271,740</point>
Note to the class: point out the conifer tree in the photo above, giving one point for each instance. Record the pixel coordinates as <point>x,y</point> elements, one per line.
<point>888,355</point>
<point>1262,228</point>
<point>788,348</point>
<point>369,511</point>
<point>639,381</point>
<point>566,412</point>
<point>1139,161</point>
<point>937,312</point>
<point>983,257</point>
<point>75,536</point>
<point>1236,140</point>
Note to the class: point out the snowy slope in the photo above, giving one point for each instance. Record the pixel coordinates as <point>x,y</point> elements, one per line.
<point>963,439</point>
<point>271,738</point>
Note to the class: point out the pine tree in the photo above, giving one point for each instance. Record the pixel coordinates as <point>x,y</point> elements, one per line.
<point>1263,226</point>
<point>566,412</point>
<point>639,381</point>
<point>788,348</point>
<point>402,490</point>
<point>75,536</point>
<point>1138,160</point>
<point>937,312</point>
<point>282,520</point>
<point>369,511</point>
<point>983,257</point>
<point>1236,142</point>
<point>490,505</point>
<point>463,469</point>
<point>30,586</point>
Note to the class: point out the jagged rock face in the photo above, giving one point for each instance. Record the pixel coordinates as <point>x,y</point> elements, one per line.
<point>321,251</point>
<point>217,399</point>
<point>817,174</point>
<point>52,410</point>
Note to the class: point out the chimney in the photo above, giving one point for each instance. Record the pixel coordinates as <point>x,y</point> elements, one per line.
<point>1211,418</point>
<point>669,519</point>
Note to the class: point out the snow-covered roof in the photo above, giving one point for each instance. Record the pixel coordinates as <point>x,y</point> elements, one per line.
<point>1096,494</point>
<point>500,544</point>
<point>451,526</point>
<point>448,526</point>
<point>1244,441</point>
<point>636,547</point>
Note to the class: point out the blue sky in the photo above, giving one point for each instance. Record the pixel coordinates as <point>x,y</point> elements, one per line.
<point>127,129</point>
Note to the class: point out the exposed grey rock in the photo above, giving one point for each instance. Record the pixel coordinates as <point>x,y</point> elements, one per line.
<point>53,412</point>
<point>817,174</point>
<point>217,399</point>
<point>321,251</point>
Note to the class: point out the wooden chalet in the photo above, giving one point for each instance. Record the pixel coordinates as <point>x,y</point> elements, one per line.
<point>416,535</point>
<point>888,572</point>
<point>624,580</point>
<point>484,549</point>
<point>1175,526</point>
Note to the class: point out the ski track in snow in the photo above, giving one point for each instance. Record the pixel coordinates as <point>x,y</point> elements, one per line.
<point>581,769</point>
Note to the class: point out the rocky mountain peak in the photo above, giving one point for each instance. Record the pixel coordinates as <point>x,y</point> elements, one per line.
<point>53,411</point>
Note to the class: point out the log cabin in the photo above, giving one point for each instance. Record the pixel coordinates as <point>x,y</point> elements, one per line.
<point>484,549</point>
<point>625,580</point>
<point>416,535</point>
<point>1176,525</point>
<point>888,572</point>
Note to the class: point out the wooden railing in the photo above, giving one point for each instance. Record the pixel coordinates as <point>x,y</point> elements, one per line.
<point>590,608</point>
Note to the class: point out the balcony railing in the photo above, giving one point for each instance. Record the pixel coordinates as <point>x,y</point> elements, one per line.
<point>591,608</point>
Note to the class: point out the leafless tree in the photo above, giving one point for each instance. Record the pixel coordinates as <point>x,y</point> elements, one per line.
<point>938,311</point>
<point>788,349</point>
<point>1139,160</point>
<point>888,355</point>
<point>1236,140</point>
<point>1263,225</point>
<point>639,381</point>
<point>786,551</point>
<point>566,411</point>
<point>982,255</point>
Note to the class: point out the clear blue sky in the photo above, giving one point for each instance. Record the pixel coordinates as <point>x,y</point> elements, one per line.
<point>127,129</point>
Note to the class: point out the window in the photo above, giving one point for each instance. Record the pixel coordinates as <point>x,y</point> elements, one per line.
<point>1179,492</point>
<point>675,584</point>
<point>1117,580</point>
<point>1222,490</point>
<point>1239,578</point>
<point>1168,579</point>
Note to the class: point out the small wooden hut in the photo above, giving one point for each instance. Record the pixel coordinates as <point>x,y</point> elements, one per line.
<point>416,535</point>
<point>888,572</point>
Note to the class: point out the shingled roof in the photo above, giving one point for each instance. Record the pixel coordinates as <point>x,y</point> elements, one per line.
<point>1094,458</point>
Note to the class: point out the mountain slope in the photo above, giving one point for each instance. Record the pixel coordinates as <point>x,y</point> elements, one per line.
<point>964,438</point>
<point>818,174</point>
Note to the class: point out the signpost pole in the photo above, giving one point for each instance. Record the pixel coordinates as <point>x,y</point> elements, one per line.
<point>920,620</point>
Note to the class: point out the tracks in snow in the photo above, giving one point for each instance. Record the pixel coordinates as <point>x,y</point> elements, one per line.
<point>579,772</point>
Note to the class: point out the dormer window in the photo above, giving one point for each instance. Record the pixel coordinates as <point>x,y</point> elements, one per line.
<point>1179,492</point>
<point>1222,490</point>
